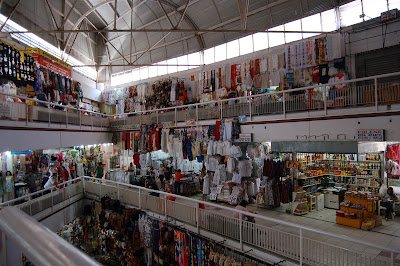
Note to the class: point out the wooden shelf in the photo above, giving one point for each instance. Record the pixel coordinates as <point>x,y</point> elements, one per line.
<point>349,222</point>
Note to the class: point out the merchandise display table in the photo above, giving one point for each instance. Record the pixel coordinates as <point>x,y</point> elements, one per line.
<point>188,187</point>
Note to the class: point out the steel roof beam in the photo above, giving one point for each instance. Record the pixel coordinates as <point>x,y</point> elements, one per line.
<point>65,19</point>
<point>9,16</point>
<point>243,10</point>
<point>95,11</point>
<point>129,65</point>
<point>61,14</point>
<point>199,31</point>
<point>165,13</point>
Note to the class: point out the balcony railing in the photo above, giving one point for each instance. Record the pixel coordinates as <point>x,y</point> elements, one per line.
<point>295,242</point>
<point>47,112</point>
<point>312,98</point>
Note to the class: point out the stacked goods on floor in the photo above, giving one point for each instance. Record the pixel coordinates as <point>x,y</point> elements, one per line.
<point>357,209</point>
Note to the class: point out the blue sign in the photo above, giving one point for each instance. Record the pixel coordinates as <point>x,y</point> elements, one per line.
<point>21,152</point>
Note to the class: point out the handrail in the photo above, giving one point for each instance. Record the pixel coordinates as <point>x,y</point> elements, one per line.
<point>49,103</point>
<point>30,195</point>
<point>268,219</point>
<point>209,102</point>
<point>38,243</point>
<point>220,207</point>
<point>261,94</point>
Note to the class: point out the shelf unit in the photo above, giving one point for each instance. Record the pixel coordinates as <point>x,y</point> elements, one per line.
<point>299,201</point>
<point>353,171</point>
<point>365,213</point>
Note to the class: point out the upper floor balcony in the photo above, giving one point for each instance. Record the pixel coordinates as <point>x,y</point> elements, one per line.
<point>356,97</point>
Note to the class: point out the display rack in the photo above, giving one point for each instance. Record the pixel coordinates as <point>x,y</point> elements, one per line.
<point>361,214</point>
<point>299,203</point>
<point>342,170</point>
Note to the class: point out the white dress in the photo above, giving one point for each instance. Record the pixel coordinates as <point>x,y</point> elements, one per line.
<point>206,185</point>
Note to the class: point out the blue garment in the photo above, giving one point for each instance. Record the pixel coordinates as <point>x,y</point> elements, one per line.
<point>189,149</point>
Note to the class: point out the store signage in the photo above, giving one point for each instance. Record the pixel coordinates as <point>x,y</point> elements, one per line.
<point>245,137</point>
<point>21,152</point>
<point>370,135</point>
<point>50,61</point>
<point>292,164</point>
<point>388,15</point>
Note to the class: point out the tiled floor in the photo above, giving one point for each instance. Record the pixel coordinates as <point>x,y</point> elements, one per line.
<point>387,235</point>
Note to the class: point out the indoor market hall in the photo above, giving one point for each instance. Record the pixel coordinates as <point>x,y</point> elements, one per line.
<point>188,132</point>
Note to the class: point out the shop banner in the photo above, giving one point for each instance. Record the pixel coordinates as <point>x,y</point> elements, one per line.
<point>292,164</point>
<point>245,137</point>
<point>51,62</point>
<point>370,135</point>
<point>21,152</point>
<point>50,65</point>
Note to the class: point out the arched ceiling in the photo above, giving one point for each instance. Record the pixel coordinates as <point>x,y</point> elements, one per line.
<point>118,35</point>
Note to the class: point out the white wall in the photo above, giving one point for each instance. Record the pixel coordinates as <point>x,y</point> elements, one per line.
<point>295,131</point>
<point>21,140</point>
<point>88,86</point>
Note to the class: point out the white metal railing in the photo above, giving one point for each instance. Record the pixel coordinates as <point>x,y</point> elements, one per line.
<point>316,97</point>
<point>21,232</point>
<point>296,242</point>
<point>281,102</point>
<point>11,110</point>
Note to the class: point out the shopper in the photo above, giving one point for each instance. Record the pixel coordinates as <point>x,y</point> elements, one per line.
<point>52,181</point>
<point>131,170</point>
<point>99,171</point>
<point>65,174</point>
<point>177,185</point>
<point>242,207</point>
<point>150,183</point>
<point>387,201</point>
<point>31,182</point>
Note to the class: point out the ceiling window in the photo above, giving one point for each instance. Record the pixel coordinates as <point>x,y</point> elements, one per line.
<point>220,52</point>
<point>276,39</point>
<point>194,59</point>
<point>144,73</point>
<point>311,23</point>
<point>394,4</point>
<point>293,26</point>
<point>135,74</point>
<point>162,70</point>
<point>232,49</point>
<point>350,13</point>
<point>328,19</point>
<point>183,61</point>
<point>260,41</point>
<point>373,8</point>
<point>209,56</point>
<point>173,68</point>
<point>33,40</point>
<point>246,45</point>
<point>153,71</point>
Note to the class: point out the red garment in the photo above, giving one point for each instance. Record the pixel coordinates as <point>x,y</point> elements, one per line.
<point>65,175</point>
<point>217,124</point>
<point>158,144</point>
<point>150,140</point>
<point>128,140</point>
<point>178,176</point>
<point>136,159</point>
